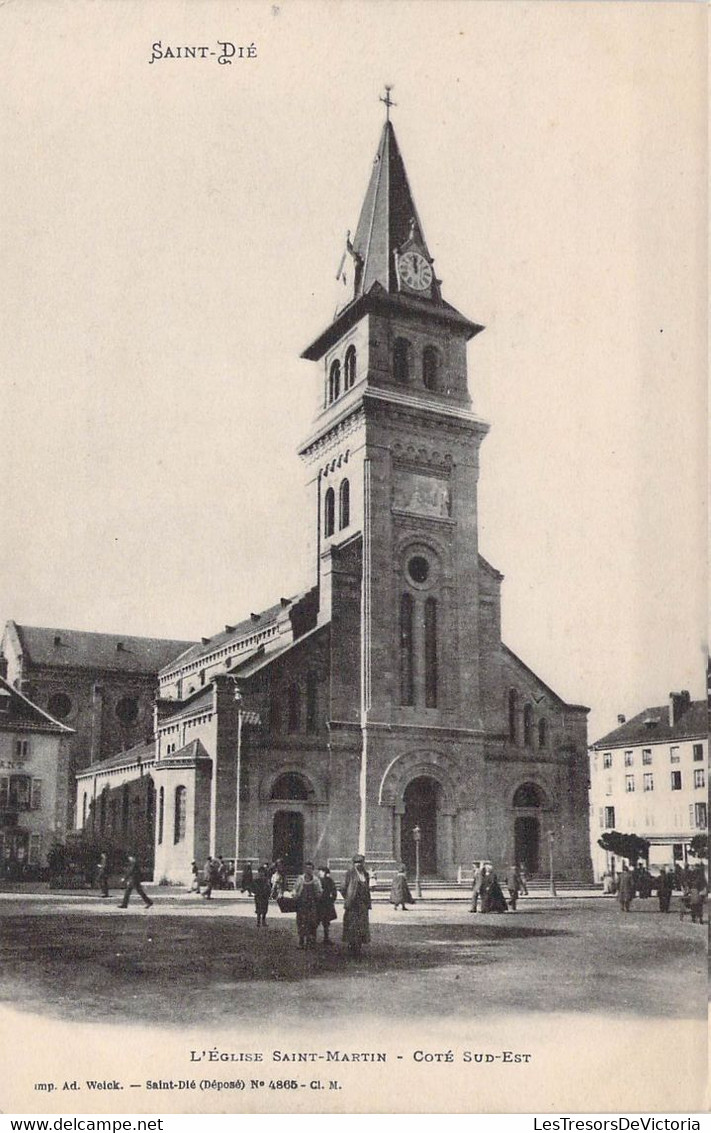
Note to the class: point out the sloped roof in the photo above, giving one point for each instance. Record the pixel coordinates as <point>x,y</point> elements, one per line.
<point>23,714</point>
<point>653,726</point>
<point>542,683</point>
<point>195,703</point>
<point>234,633</point>
<point>144,753</point>
<point>189,753</point>
<point>78,649</point>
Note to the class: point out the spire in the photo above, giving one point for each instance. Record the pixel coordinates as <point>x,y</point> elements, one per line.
<point>388,219</point>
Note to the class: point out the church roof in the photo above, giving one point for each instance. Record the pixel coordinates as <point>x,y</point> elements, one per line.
<point>77,649</point>
<point>253,624</point>
<point>652,726</point>
<point>144,753</point>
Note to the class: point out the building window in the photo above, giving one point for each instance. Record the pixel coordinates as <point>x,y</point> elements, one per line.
<point>344,504</point>
<point>311,702</point>
<point>601,818</point>
<point>179,825</point>
<point>629,783</point>
<point>609,817</point>
<point>646,756</point>
<point>700,816</point>
<point>407,684</point>
<point>629,759</point>
<point>334,382</point>
<point>607,759</point>
<point>127,710</point>
<point>699,777</point>
<point>161,814</point>
<point>674,755</point>
<point>349,375</point>
<point>542,733</point>
<point>329,513</point>
<point>401,360</point>
<point>290,786</point>
<point>36,800</point>
<point>430,367</point>
<point>513,705</point>
<point>431,653</point>
<point>22,749</point>
<point>19,789</point>
<point>294,712</point>
<point>676,780</point>
<point>698,753</point>
<point>649,781</point>
<point>608,786</point>
<point>528,725</point>
<point>59,706</point>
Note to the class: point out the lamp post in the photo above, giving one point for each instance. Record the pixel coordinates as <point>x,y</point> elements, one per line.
<point>238,776</point>
<point>551,837</point>
<point>417,835</point>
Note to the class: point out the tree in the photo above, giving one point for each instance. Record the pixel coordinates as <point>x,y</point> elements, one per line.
<point>699,846</point>
<point>629,846</point>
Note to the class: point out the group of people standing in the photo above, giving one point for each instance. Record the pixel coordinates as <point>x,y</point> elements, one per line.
<point>691,881</point>
<point>487,894</point>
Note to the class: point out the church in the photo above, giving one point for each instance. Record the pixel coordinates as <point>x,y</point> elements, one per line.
<point>378,710</point>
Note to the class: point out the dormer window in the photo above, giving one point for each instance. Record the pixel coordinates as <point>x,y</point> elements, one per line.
<point>334,382</point>
<point>401,361</point>
<point>349,369</point>
<point>430,367</point>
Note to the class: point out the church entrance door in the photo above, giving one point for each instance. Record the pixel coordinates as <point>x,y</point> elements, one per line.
<point>527,838</point>
<point>421,802</point>
<point>288,840</point>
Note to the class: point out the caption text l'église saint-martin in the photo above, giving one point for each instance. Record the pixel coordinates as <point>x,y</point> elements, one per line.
<point>224,50</point>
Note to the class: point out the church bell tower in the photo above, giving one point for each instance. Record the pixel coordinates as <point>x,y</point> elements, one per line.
<point>393,463</point>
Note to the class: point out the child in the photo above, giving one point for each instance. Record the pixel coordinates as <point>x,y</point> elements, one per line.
<point>261,888</point>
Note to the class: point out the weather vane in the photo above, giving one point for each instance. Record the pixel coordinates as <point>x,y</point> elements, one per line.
<point>388,101</point>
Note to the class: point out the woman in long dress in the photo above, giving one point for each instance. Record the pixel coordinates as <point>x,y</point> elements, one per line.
<point>400,891</point>
<point>307,892</point>
<point>356,905</point>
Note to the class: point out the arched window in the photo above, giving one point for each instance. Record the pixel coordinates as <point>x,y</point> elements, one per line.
<point>329,513</point>
<point>161,813</point>
<point>334,381</point>
<point>181,801</point>
<point>401,360</point>
<point>344,504</point>
<point>294,719</point>
<point>542,733</point>
<point>407,683</point>
<point>430,367</point>
<point>528,795</point>
<point>349,368</point>
<point>291,785</point>
<point>311,702</point>
<point>431,653</point>
<point>513,705</point>
<point>528,725</point>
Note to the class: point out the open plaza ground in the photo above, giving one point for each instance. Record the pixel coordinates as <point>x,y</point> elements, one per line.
<point>187,961</point>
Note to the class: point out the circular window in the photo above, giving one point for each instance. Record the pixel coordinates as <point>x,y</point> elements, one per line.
<point>127,709</point>
<point>418,568</point>
<point>59,706</point>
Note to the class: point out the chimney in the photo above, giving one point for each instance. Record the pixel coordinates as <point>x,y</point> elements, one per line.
<point>119,647</point>
<point>621,719</point>
<point>230,629</point>
<point>205,640</point>
<point>678,704</point>
<point>256,617</point>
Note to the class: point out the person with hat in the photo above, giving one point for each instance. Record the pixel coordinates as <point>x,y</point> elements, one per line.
<point>308,893</point>
<point>327,903</point>
<point>261,888</point>
<point>357,905</point>
<point>400,891</point>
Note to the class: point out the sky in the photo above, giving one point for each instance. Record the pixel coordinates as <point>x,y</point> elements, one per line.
<point>171,239</point>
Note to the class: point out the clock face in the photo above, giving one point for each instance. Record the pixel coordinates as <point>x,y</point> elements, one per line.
<point>414,271</point>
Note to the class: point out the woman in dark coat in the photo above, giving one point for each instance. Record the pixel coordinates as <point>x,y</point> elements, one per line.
<point>400,891</point>
<point>356,905</point>
<point>307,892</point>
<point>327,903</point>
<point>492,898</point>
<point>247,882</point>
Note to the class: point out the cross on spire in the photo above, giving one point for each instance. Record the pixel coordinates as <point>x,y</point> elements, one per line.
<point>388,101</point>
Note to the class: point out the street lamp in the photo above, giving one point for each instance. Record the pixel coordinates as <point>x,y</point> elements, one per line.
<point>551,837</point>
<point>417,835</point>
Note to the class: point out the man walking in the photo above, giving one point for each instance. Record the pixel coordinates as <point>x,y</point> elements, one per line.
<point>626,890</point>
<point>513,884</point>
<point>133,881</point>
<point>476,886</point>
<point>665,885</point>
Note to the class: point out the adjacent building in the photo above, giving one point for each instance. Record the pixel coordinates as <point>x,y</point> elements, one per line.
<point>101,686</point>
<point>650,777</point>
<point>34,753</point>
